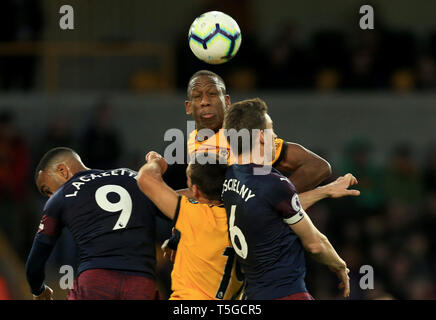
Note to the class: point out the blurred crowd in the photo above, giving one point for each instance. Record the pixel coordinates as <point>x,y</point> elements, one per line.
<point>389,227</point>
<point>385,58</point>
<point>328,58</point>
<point>379,59</point>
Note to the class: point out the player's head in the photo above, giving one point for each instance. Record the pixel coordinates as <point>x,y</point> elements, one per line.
<point>205,176</point>
<point>207,100</point>
<point>55,168</point>
<point>251,115</point>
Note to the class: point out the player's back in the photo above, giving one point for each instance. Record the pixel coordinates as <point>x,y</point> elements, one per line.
<point>111,220</point>
<point>270,253</point>
<point>204,268</point>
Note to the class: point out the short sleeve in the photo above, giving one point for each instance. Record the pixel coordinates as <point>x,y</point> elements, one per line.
<point>284,199</point>
<point>50,226</point>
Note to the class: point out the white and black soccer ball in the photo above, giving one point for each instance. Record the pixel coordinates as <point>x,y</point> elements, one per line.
<point>214,37</point>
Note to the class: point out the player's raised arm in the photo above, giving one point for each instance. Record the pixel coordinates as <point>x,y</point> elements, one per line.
<point>151,183</point>
<point>303,167</point>
<point>335,189</point>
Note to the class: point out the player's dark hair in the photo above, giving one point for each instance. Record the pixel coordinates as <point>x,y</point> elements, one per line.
<point>208,74</point>
<point>208,177</point>
<point>246,114</point>
<point>49,156</point>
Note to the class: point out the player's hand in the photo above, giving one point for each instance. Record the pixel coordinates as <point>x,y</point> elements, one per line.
<point>167,252</point>
<point>339,187</point>
<point>342,274</point>
<point>152,155</point>
<point>170,244</point>
<point>47,294</point>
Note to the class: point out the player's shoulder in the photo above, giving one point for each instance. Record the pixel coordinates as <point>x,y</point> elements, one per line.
<point>274,183</point>
<point>124,172</point>
<point>56,201</point>
<point>279,178</point>
<point>267,174</point>
<point>193,210</point>
<point>189,204</point>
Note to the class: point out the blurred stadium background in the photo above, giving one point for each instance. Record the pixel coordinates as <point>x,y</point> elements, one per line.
<point>110,88</point>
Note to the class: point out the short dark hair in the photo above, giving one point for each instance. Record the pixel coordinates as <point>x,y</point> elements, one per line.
<point>50,156</point>
<point>246,114</point>
<point>204,73</point>
<point>209,177</point>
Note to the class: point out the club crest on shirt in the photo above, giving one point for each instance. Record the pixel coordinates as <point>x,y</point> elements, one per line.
<point>295,202</point>
<point>223,153</point>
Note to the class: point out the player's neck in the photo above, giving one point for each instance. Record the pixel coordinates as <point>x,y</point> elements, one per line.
<point>204,200</point>
<point>250,158</point>
<point>78,168</point>
<point>256,156</point>
<point>201,128</point>
<point>215,202</point>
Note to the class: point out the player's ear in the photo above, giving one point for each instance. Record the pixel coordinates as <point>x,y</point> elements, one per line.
<point>262,137</point>
<point>227,100</point>
<point>196,192</point>
<point>188,107</point>
<point>62,171</point>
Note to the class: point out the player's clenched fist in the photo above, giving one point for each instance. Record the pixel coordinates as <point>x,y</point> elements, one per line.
<point>152,155</point>
<point>169,246</point>
<point>47,294</point>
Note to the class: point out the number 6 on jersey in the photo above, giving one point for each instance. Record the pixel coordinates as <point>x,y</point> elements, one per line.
<point>235,232</point>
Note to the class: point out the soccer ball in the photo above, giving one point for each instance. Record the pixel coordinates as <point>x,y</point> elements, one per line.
<point>214,37</point>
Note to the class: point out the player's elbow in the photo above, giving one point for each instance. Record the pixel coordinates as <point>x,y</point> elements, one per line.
<point>325,169</point>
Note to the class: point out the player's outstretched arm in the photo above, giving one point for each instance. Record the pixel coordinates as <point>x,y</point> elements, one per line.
<point>152,185</point>
<point>335,189</point>
<point>320,249</point>
<point>303,167</point>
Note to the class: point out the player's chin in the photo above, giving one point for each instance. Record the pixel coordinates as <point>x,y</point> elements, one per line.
<point>211,122</point>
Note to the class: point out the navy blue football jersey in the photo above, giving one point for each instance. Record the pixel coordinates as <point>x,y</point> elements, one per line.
<point>110,219</point>
<point>260,209</point>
